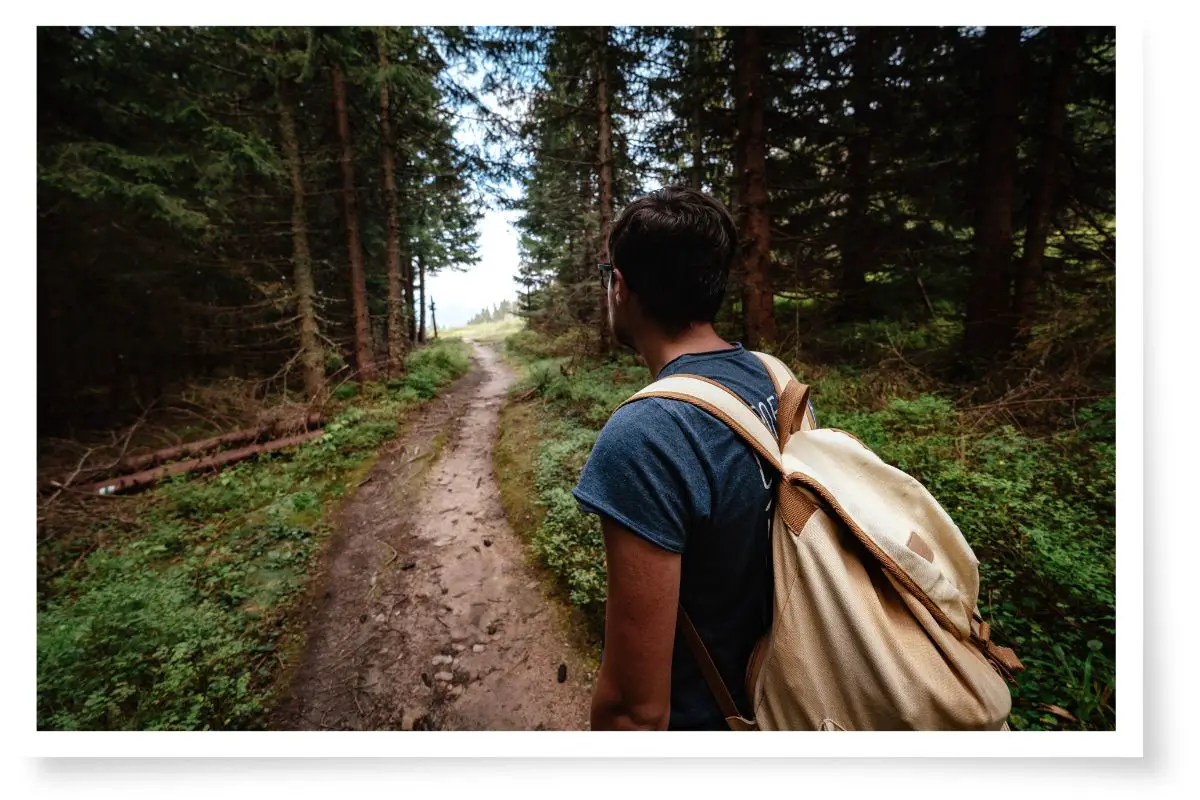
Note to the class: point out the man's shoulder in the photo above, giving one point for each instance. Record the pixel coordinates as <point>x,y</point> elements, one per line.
<point>660,423</point>
<point>648,414</point>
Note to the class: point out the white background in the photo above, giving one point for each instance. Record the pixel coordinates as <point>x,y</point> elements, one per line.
<point>1163,532</point>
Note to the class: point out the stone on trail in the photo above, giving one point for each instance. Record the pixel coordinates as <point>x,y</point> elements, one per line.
<point>477,648</point>
<point>444,677</point>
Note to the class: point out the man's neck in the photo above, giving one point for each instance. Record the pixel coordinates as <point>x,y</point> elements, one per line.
<point>658,350</point>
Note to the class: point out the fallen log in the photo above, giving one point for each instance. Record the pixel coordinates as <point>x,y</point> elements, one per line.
<point>136,463</point>
<point>189,449</point>
<point>149,477</point>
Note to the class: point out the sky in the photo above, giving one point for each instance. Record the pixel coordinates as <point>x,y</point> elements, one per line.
<point>461,295</point>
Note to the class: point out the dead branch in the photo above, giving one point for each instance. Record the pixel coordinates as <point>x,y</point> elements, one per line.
<point>69,479</point>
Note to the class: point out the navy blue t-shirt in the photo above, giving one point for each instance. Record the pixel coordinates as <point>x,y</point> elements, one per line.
<point>680,478</point>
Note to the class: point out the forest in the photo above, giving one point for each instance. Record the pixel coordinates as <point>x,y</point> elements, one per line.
<point>236,231</point>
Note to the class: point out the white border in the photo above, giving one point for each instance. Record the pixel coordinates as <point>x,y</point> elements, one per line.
<point>1126,741</point>
<point>496,744</point>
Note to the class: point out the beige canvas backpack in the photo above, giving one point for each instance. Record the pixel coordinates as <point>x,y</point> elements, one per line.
<point>875,625</point>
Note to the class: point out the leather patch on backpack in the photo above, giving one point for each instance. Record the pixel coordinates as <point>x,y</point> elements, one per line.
<point>918,546</point>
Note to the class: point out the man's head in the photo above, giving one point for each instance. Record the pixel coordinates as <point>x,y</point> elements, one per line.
<point>671,251</point>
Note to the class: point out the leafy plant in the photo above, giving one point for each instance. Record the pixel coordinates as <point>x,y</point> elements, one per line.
<point>181,623</point>
<point>1038,510</point>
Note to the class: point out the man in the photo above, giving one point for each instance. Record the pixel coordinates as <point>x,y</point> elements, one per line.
<point>685,504</point>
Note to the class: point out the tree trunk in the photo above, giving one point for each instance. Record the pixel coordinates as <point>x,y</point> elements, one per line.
<point>358,285</point>
<point>856,242</point>
<point>396,332</point>
<point>1029,271</point>
<point>989,326</point>
<point>697,106</point>
<point>421,331</point>
<point>312,359</point>
<point>749,85</point>
<point>410,294</point>
<point>604,156</point>
<point>433,316</point>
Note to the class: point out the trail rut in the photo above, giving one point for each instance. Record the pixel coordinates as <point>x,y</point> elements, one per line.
<point>430,617</point>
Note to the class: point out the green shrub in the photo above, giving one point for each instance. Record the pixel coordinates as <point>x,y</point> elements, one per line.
<point>1040,514</point>
<point>142,650</point>
<point>1038,510</point>
<point>526,344</point>
<point>567,541</point>
<point>570,544</point>
<point>429,368</point>
<point>870,340</point>
<point>177,623</point>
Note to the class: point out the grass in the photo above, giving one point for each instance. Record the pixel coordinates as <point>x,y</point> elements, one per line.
<point>519,471</point>
<point>558,429</point>
<point>187,612</point>
<point>1039,511</point>
<point>1036,503</point>
<point>513,457</point>
<point>487,331</point>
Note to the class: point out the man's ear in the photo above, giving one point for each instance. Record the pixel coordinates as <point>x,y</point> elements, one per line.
<point>618,284</point>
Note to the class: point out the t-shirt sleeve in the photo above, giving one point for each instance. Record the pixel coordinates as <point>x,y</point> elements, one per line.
<point>645,474</point>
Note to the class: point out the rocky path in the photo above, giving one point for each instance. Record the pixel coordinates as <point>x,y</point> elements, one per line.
<point>430,617</point>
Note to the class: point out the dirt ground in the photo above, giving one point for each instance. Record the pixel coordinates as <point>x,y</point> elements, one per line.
<point>431,618</point>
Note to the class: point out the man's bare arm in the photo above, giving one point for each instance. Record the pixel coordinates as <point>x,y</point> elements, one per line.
<point>633,690</point>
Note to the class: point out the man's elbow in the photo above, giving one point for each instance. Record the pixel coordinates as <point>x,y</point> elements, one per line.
<point>621,716</point>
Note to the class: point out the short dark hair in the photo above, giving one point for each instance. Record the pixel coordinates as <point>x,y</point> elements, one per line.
<point>675,247</point>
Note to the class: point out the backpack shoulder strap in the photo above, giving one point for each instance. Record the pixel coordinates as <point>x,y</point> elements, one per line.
<point>795,413</point>
<point>781,376</point>
<point>708,668</point>
<point>723,404</point>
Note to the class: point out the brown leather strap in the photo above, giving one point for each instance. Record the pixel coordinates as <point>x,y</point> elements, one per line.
<point>707,667</point>
<point>789,407</point>
<point>1003,659</point>
<point>793,406</point>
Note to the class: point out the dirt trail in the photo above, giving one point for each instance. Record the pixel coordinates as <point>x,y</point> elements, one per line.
<point>430,618</point>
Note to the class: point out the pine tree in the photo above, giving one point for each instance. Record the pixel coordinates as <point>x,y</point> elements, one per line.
<point>988,326</point>
<point>396,326</point>
<point>758,298</point>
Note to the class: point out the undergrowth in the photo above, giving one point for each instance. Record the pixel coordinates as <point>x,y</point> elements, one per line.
<point>1037,507</point>
<point>184,617</point>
